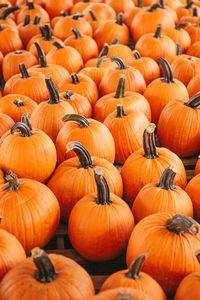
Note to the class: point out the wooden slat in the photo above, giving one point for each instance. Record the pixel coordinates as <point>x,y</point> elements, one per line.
<point>190,161</point>
<point>189,174</point>
<point>98,280</point>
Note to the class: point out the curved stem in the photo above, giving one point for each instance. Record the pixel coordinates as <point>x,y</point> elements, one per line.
<point>23,128</point>
<point>178,49</point>
<point>68,94</point>
<point>93,15</point>
<point>120,111</point>
<point>167,178</point>
<point>3,5</point>
<point>181,25</point>
<point>168,74</point>
<point>140,3</point>
<point>75,79</point>
<point>119,61</point>
<point>82,154</point>
<point>8,11</point>
<point>23,70</point>
<point>13,182</point>
<point>53,92</point>
<point>136,54</point>
<point>149,143</point>
<point>77,15</point>
<point>180,224</point>
<point>76,33</point>
<point>30,4</point>
<point>120,18</point>
<point>162,4</point>
<point>194,101</point>
<point>158,32</point>
<point>18,102</point>
<point>25,119</point>
<point>99,61</point>
<point>153,7</point>
<point>27,20</point>
<point>36,20</point>
<point>120,92</point>
<point>45,271</point>
<point>104,51</point>
<point>115,41</point>
<point>82,121</point>
<point>103,192</point>
<point>136,266</point>
<point>41,56</point>
<point>57,45</point>
<point>189,4</point>
<point>194,12</point>
<point>46,32</point>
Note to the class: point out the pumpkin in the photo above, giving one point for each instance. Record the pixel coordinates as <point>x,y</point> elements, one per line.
<point>15,105</point>
<point>113,29</point>
<point>6,122</point>
<point>130,100</point>
<point>6,13</point>
<point>14,195</point>
<point>122,294</point>
<point>94,135</point>
<point>121,5</point>
<point>171,58</point>
<point>163,90</point>
<point>80,104</point>
<point>194,32</point>
<point>48,275</point>
<point>84,44</point>
<point>197,167</point>
<point>194,49</point>
<point>100,243</point>
<point>171,240</point>
<point>193,85</point>
<point>79,7</point>
<point>119,50</point>
<point>101,10</point>
<point>32,9</point>
<point>10,40</point>
<point>54,9</point>
<point>130,14</point>
<point>134,278</point>
<point>11,61</point>
<point>163,196</point>
<point>179,137</point>
<point>81,84</point>
<point>54,20</point>
<point>134,79</point>
<point>57,72</point>
<point>186,10</point>
<point>95,22</point>
<point>80,169</point>
<point>173,3</point>
<point>192,189</point>
<point>39,154</point>
<point>29,29</point>
<point>146,65</point>
<point>67,57</point>
<point>191,19</point>
<point>127,129</point>
<point>147,164</point>
<point>155,45</point>
<point>31,84</point>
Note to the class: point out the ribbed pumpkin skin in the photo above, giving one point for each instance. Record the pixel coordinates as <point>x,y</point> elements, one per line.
<point>175,253</point>
<point>1,177</point>
<point>80,182</point>
<point>193,191</point>
<point>193,86</point>
<point>20,282</point>
<point>189,286</point>
<point>31,214</point>
<point>6,123</point>
<point>11,252</point>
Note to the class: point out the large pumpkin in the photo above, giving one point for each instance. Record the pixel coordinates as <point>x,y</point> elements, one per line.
<point>193,190</point>
<point>6,122</point>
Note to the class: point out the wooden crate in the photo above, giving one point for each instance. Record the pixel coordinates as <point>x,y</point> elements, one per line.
<point>60,244</point>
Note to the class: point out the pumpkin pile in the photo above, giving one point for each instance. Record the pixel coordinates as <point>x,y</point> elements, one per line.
<point>99,104</point>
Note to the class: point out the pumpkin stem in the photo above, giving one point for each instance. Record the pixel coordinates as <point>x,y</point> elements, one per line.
<point>75,79</point>
<point>119,61</point>
<point>23,70</point>
<point>168,74</point>
<point>23,128</point>
<point>149,143</point>
<point>162,4</point>
<point>64,13</point>
<point>36,20</point>
<point>77,15</point>
<point>115,41</point>
<point>18,102</point>
<point>158,32</point>
<point>181,25</point>
<point>53,92</point>
<point>8,11</point>
<point>194,101</point>
<point>3,5</point>
<point>18,52</point>
<point>27,20</point>
<point>30,4</point>
<point>120,18</point>
<point>136,266</point>
<point>93,15</point>
<point>197,254</point>
<point>13,182</point>
<point>180,224</point>
<point>189,5</point>
<point>104,51</point>
<point>120,111</point>
<point>82,121</point>
<point>178,49</point>
<point>58,45</point>
<point>140,3</point>
<point>82,154</point>
<point>41,56</point>
<point>45,271</point>
<point>46,32</point>
<point>68,94</point>
<point>103,192</point>
<point>76,33</point>
<point>86,1</point>
<point>136,54</point>
<point>153,7</point>
<point>120,92</point>
<point>124,296</point>
<point>167,179</point>
<point>99,61</point>
<point>194,12</point>
<point>25,119</point>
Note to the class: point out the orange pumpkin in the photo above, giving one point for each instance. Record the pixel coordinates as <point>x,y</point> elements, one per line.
<point>79,7</point>
<point>186,10</point>
<point>94,242</point>
<point>120,5</point>
<point>94,135</point>
<point>95,22</point>
<point>192,189</point>
<point>122,294</point>
<point>80,169</point>
<point>122,51</point>
<point>194,31</point>
<point>6,13</point>
<point>32,9</point>
<point>193,85</point>
<point>194,49</point>
<point>28,29</point>
<point>6,122</point>
<point>10,40</point>
<point>130,14</point>
<point>54,8</point>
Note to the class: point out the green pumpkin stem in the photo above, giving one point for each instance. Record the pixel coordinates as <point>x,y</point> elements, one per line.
<point>120,18</point>
<point>180,224</point>
<point>58,45</point>
<point>149,143</point>
<point>30,4</point>
<point>120,111</point>
<point>167,179</point>
<point>18,102</point>
<point>23,70</point>
<point>75,79</point>
<point>167,70</point>
<point>140,3</point>
<point>194,101</point>
<point>82,154</point>
<point>13,182</point>
<point>23,128</point>
<point>99,61</point>
<point>76,33</point>
<point>93,15</point>
<point>136,54</point>
<point>120,92</point>
<point>8,11</point>
<point>45,271</point>
<point>41,56</point>
<point>36,20</point>
<point>27,20</point>
<point>158,32</point>
<point>136,266</point>
<point>119,61</point>
<point>53,92</point>
<point>103,192</point>
<point>82,121</point>
<point>153,7</point>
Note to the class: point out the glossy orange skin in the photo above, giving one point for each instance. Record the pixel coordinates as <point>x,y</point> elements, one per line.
<point>8,107</point>
<point>120,5</point>
<point>189,286</point>
<point>42,208</point>
<point>6,122</point>
<point>10,39</point>
<point>27,32</point>
<point>96,138</point>
<point>95,73</point>
<point>10,64</point>
<point>54,8</point>
<point>11,252</point>
<point>112,294</point>
<point>111,220</point>
<point>193,85</point>
<point>121,51</point>
<point>130,14</point>
<point>107,63</point>
<point>194,49</point>
<point>144,283</point>
<point>145,170</point>
<point>173,3</point>
<point>86,87</point>
<point>175,253</point>
<point>79,7</point>
<point>101,10</point>
<point>192,189</point>
<point>81,182</point>
<point>179,36</point>
<point>19,280</point>
<point>39,155</point>
<point>178,137</point>
<point>194,32</point>
<point>44,17</point>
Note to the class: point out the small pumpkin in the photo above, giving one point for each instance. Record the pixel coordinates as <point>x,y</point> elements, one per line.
<point>122,294</point>
<point>94,242</point>
<point>193,31</point>
<point>101,10</point>
<point>6,122</point>
<point>54,9</point>
<point>119,50</point>
<point>79,6</point>
<point>193,85</point>
<point>6,13</point>
<point>130,14</point>
<point>10,39</point>
<point>186,10</point>
<point>28,29</point>
<point>95,22</point>
<point>121,5</point>
<point>192,189</point>
<point>194,49</point>
<point>32,9</point>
